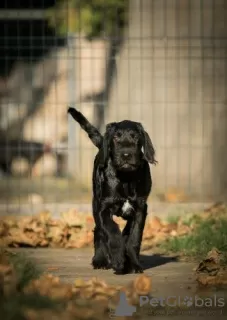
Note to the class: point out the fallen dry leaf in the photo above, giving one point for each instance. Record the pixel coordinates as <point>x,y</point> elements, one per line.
<point>50,286</point>
<point>18,237</point>
<point>73,218</point>
<point>75,230</point>
<point>169,227</point>
<point>84,300</point>
<point>210,271</point>
<point>216,207</point>
<point>175,196</point>
<point>155,224</point>
<point>44,216</point>
<point>208,280</point>
<point>52,269</point>
<point>24,222</point>
<point>142,284</point>
<point>4,228</point>
<point>80,283</point>
<point>183,230</point>
<point>211,264</point>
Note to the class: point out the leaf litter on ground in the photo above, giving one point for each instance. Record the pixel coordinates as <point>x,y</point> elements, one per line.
<point>45,296</point>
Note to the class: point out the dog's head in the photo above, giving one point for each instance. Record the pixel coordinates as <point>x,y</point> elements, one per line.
<point>123,143</point>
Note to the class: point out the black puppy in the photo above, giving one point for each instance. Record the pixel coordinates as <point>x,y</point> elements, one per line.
<point>121,186</point>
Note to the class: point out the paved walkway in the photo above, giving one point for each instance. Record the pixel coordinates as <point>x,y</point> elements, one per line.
<point>169,276</point>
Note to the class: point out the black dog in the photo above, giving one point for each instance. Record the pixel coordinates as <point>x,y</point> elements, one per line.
<point>121,186</point>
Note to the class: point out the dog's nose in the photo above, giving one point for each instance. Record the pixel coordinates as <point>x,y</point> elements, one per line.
<point>126,156</point>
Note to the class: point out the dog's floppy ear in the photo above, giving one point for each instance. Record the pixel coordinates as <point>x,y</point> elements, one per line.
<point>105,149</point>
<point>149,151</point>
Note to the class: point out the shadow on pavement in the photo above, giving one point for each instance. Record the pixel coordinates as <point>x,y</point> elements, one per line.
<point>155,260</point>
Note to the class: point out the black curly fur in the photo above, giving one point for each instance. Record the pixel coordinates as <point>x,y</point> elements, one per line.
<point>121,185</point>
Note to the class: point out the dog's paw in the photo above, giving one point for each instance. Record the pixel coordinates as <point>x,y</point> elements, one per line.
<point>100,264</point>
<point>103,267</point>
<point>118,265</point>
<point>119,269</point>
<point>97,265</point>
<point>132,268</point>
<point>137,269</point>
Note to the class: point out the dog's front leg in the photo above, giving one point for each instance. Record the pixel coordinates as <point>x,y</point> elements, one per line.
<point>135,238</point>
<point>114,240</point>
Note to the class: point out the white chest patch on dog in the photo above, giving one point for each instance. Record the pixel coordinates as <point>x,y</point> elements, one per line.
<point>127,207</point>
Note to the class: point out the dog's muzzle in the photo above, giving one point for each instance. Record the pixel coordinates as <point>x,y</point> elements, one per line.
<point>127,162</point>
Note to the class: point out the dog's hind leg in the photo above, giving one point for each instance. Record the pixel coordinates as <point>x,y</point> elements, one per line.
<point>101,258</point>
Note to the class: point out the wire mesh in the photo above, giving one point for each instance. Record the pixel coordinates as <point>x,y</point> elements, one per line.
<point>167,69</point>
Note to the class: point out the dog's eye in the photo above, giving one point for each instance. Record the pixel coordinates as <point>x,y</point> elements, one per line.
<point>117,135</point>
<point>132,135</point>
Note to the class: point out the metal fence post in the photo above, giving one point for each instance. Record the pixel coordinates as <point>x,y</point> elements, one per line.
<point>71,102</point>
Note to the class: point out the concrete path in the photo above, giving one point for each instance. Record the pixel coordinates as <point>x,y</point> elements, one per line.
<point>169,276</point>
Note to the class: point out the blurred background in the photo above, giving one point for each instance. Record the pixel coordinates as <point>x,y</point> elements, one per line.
<point>161,62</point>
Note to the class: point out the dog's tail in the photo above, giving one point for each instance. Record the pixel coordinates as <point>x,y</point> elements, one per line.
<point>92,132</point>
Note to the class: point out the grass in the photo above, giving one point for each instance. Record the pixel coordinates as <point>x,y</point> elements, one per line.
<point>26,269</point>
<point>11,307</point>
<point>208,234</point>
<point>187,220</point>
<point>173,219</point>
